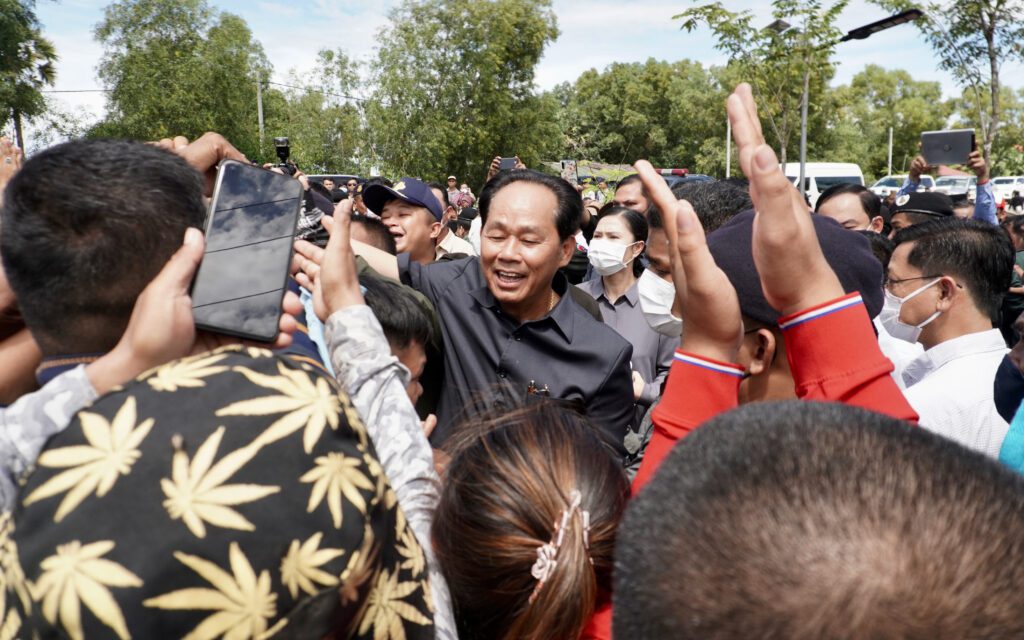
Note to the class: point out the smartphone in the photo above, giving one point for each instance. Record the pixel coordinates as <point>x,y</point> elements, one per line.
<point>507,164</point>
<point>569,172</point>
<point>250,228</point>
<point>947,147</point>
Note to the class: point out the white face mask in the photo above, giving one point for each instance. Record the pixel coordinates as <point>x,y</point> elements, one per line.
<point>890,315</point>
<point>606,256</point>
<point>657,296</point>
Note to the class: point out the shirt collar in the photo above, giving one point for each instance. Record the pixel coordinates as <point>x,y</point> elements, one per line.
<point>53,366</point>
<point>561,316</point>
<point>632,294</point>
<point>941,354</point>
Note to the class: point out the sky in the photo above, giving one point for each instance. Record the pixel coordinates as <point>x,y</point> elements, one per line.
<point>594,34</point>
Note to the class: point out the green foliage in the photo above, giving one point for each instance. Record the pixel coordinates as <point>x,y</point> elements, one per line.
<point>454,87</point>
<point>176,67</point>
<point>774,60</point>
<point>875,100</point>
<point>26,62</point>
<point>323,127</point>
<point>973,39</point>
<point>656,110</point>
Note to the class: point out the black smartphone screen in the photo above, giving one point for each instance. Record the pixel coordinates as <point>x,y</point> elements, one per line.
<point>947,147</point>
<point>507,164</point>
<point>250,228</point>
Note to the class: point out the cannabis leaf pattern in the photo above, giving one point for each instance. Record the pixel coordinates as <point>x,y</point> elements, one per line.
<point>242,601</point>
<point>196,492</point>
<point>333,476</point>
<point>387,608</point>
<point>310,405</point>
<point>187,373</point>
<point>300,568</point>
<point>78,574</point>
<point>112,450</point>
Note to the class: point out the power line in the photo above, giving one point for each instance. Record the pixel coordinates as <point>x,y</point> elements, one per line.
<point>326,93</point>
<point>76,91</point>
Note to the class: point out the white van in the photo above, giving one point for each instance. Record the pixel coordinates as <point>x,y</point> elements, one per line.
<point>819,176</point>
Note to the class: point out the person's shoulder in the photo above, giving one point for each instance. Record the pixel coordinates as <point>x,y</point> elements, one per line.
<point>593,287</point>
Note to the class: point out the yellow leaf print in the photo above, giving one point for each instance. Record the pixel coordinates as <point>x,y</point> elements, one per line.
<point>309,404</point>
<point>111,452</point>
<point>411,552</point>
<point>196,492</point>
<point>336,475</point>
<point>12,580</point>
<point>243,602</point>
<point>187,373</point>
<point>387,608</point>
<point>77,575</point>
<point>300,567</point>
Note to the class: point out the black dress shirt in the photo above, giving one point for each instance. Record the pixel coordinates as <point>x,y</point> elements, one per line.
<point>575,357</point>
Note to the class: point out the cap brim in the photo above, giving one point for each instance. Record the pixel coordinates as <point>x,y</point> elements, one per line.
<point>377,195</point>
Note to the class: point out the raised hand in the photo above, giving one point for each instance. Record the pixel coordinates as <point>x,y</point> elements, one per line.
<point>794,273</point>
<point>712,326</point>
<point>330,273</point>
<point>204,154</point>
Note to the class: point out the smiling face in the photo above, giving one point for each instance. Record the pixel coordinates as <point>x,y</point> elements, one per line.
<point>520,250</point>
<point>413,227</point>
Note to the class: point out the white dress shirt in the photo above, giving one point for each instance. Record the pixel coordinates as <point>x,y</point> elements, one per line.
<point>950,387</point>
<point>900,352</point>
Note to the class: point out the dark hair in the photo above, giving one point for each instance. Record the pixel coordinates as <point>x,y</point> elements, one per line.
<point>630,179</point>
<point>1015,224</point>
<point>445,202</point>
<point>76,264</point>
<point>715,202</point>
<point>508,483</point>
<point>378,233</point>
<point>403,317</point>
<point>869,202</point>
<point>637,227</point>
<point>977,253</point>
<point>569,214</point>
<point>810,520</point>
<point>372,180</point>
<point>881,246</point>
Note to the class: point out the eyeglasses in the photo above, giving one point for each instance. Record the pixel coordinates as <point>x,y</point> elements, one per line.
<point>352,184</point>
<point>890,282</point>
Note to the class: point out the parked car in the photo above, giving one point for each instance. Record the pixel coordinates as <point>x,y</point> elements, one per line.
<point>893,183</point>
<point>819,176</point>
<point>955,185</point>
<point>673,180</point>
<point>1004,186</point>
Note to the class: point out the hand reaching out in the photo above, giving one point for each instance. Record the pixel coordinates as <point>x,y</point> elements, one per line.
<point>793,270</point>
<point>329,273</point>
<point>712,326</point>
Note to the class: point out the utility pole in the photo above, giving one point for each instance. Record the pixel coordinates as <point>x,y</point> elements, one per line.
<point>259,108</point>
<point>889,172</point>
<point>728,146</point>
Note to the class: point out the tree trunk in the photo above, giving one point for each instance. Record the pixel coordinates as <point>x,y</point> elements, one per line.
<point>18,132</point>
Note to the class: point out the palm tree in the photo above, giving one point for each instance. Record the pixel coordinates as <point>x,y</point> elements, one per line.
<point>27,63</point>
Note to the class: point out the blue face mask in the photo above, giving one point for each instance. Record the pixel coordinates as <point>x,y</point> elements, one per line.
<point>1008,389</point>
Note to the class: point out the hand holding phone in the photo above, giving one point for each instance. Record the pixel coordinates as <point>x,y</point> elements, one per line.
<point>250,228</point>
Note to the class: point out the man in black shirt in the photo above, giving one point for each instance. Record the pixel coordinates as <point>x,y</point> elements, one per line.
<point>509,326</point>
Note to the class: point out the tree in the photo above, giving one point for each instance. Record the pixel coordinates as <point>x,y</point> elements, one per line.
<point>26,64</point>
<point>875,100</point>
<point>973,39</point>
<point>774,60</point>
<point>321,119</point>
<point>176,67</point>
<point>454,87</point>
<point>655,110</point>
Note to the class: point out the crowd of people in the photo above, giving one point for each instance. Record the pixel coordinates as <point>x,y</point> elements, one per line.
<point>697,412</point>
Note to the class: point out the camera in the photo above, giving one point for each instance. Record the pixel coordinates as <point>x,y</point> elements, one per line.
<point>283,149</point>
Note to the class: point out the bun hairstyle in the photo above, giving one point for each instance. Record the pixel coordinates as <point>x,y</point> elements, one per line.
<point>512,482</point>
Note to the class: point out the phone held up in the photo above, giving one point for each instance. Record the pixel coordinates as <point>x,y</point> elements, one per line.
<point>250,227</point>
<point>947,147</point>
<point>507,164</point>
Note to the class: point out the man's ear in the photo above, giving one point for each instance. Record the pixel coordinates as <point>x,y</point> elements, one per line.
<point>763,352</point>
<point>435,230</point>
<point>567,248</point>
<point>949,291</point>
<point>876,224</point>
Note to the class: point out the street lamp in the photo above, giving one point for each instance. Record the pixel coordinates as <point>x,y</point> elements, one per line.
<point>860,33</point>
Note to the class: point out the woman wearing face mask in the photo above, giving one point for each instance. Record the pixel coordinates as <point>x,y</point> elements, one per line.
<point>614,253</point>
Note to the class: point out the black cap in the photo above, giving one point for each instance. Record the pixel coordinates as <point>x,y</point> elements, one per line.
<point>848,253</point>
<point>468,213</point>
<point>929,203</point>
